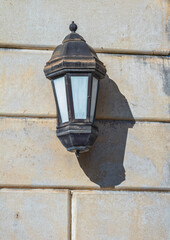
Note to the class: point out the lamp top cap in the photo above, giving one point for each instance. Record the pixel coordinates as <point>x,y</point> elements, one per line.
<point>74,55</point>
<point>73,27</point>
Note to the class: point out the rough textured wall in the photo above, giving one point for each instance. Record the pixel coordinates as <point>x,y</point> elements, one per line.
<point>120,189</point>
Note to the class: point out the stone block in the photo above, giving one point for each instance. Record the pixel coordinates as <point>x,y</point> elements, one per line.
<point>126,154</point>
<point>34,214</point>
<point>120,215</point>
<point>136,87</point>
<point>129,26</point>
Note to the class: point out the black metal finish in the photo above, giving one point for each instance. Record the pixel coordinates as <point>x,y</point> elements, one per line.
<point>89,97</point>
<point>74,55</point>
<point>77,136</point>
<point>75,58</point>
<point>73,27</point>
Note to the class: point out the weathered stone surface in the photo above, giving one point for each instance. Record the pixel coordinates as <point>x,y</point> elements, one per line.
<point>115,25</point>
<point>126,154</point>
<point>135,87</point>
<point>120,215</point>
<point>34,214</point>
<point>23,86</point>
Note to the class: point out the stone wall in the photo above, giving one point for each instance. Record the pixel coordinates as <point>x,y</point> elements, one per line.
<point>120,189</point>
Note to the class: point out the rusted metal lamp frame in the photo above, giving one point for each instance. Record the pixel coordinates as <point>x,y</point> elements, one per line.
<point>75,58</point>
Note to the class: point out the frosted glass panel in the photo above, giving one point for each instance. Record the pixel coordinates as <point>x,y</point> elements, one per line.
<point>93,100</point>
<point>60,90</point>
<point>79,85</point>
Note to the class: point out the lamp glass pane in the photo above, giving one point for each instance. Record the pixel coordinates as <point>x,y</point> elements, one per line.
<point>79,86</point>
<point>60,89</point>
<point>93,100</point>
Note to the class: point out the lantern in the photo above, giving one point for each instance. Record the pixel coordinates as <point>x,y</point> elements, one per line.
<point>75,70</point>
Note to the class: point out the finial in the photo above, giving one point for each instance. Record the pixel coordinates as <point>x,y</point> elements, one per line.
<point>73,27</point>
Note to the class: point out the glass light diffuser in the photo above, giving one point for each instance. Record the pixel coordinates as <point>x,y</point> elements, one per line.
<point>79,86</point>
<point>60,90</point>
<point>93,98</point>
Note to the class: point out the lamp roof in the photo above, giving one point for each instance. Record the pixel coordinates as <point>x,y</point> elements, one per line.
<point>74,55</point>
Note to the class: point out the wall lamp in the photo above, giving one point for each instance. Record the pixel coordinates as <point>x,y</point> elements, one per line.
<point>75,70</point>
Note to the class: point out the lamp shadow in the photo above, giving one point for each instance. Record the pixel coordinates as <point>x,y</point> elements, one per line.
<point>104,163</point>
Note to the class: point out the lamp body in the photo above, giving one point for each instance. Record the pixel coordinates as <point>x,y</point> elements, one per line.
<point>75,71</point>
<point>76,96</point>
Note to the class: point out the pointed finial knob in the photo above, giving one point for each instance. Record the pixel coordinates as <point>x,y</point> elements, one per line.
<point>73,27</point>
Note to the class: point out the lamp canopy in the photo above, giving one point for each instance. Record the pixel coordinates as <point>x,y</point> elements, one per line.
<point>74,55</point>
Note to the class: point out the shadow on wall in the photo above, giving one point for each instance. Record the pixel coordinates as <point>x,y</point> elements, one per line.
<point>103,164</point>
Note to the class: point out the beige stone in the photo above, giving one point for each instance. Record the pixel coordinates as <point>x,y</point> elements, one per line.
<point>120,215</point>
<point>132,26</point>
<point>23,87</point>
<point>34,214</point>
<point>124,155</point>
<point>135,86</point>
